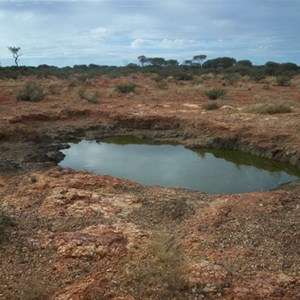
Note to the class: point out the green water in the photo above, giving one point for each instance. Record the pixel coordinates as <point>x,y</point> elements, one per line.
<point>208,170</point>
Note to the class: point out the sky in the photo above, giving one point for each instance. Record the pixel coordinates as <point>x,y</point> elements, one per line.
<point>116,32</point>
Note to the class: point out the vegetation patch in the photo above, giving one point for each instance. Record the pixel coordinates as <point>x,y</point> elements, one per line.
<point>272,108</point>
<point>55,89</point>
<point>91,97</point>
<point>31,93</point>
<point>210,106</point>
<point>160,276</point>
<point>283,81</point>
<point>215,93</point>
<point>4,220</point>
<point>126,88</point>
<point>231,78</point>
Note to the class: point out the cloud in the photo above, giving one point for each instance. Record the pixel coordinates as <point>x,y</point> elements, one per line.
<point>109,31</point>
<point>163,44</point>
<point>100,33</point>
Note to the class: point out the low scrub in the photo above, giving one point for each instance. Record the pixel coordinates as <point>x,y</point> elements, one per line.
<point>55,89</point>
<point>4,221</point>
<point>215,93</point>
<point>210,106</point>
<point>183,76</point>
<point>272,108</point>
<point>283,81</point>
<point>231,78</point>
<point>91,97</point>
<point>126,88</point>
<point>31,93</point>
<point>160,276</point>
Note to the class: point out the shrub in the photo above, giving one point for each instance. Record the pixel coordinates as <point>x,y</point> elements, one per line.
<point>283,80</point>
<point>215,93</point>
<point>210,106</point>
<point>231,78</point>
<point>55,89</point>
<point>161,274</point>
<point>4,221</point>
<point>126,88</point>
<point>91,97</point>
<point>183,76</point>
<point>273,108</point>
<point>31,93</point>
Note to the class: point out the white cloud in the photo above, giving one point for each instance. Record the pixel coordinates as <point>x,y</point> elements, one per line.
<point>100,33</point>
<point>141,43</point>
<point>163,44</point>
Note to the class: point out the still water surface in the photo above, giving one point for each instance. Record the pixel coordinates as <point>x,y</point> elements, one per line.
<point>208,170</point>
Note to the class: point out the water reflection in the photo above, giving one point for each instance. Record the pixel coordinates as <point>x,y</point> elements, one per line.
<point>176,166</point>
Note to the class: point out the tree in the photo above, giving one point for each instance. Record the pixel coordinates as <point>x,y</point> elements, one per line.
<point>272,68</point>
<point>157,61</point>
<point>220,62</point>
<point>143,59</point>
<point>199,59</point>
<point>15,53</point>
<point>171,62</point>
<point>188,62</point>
<point>245,62</point>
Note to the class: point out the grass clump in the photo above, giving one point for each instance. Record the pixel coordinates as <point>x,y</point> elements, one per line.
<point>90,97</point>
<point>31,93</point>
<point>210,106</point>
<point>126,88</point>
<point>215,93</point>
<point>160,275</point>
<point>272,108</point>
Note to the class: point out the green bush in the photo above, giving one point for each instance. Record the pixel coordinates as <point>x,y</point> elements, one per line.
<point>126,88</point>
<point>210,106</point>
<point>215,93</point>
<point>31,93</point>
<point>273,108</point>
<point>183,76</point>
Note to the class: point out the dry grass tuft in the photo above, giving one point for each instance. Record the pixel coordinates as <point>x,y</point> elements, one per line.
<point>271,108</point>
<point>126,88</point>
<point>215,93</point>
<point>91,97</point>
<point>210,106</point>
<point>160,275</point>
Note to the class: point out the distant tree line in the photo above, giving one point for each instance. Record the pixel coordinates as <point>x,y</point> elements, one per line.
<point>161,62</point>
<point>163,67</point>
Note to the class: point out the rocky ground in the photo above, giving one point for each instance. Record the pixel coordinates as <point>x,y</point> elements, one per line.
<point>67,234</point>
